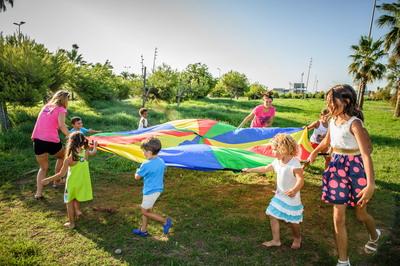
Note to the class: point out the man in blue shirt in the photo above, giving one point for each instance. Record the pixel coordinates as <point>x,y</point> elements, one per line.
<point>152,173</point>
<point>77,125</point>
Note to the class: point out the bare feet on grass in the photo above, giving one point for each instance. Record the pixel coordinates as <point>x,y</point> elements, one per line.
<point>272,243</point>
<point>69,225</point>
<point>296,243</point>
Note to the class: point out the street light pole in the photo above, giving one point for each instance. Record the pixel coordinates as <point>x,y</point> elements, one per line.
<point>19,26</point>
<point>372,20</point>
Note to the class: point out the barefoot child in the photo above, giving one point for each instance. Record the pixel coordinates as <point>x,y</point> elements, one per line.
<point>349,179</point>
<point>320,129</point>
<point>78,187</point>
<point>77,125</point>
<point>143,123</point>
<point>286,204</point>
<point>152,173</point>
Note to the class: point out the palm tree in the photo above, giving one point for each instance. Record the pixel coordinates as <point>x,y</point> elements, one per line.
<point>74,56</point>
<point>391,19</point>
<point>3,6</point>
<point>366,67</point>
<point>393,78</point>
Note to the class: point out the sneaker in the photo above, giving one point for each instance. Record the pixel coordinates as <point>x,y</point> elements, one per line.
<point>343,263</point>
<point>167,226</point>
<point>138,232</point>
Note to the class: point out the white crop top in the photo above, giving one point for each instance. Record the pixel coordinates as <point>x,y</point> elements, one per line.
<point>341,136</point>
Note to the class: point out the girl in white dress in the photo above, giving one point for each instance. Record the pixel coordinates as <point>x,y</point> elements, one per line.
<point>320,129</point>
<point>286,204</point>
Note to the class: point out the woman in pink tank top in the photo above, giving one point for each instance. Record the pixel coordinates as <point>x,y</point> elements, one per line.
<point>45,136</point>
<point>262,115</point>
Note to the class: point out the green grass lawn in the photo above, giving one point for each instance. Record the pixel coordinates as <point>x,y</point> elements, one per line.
<point>219,216</point>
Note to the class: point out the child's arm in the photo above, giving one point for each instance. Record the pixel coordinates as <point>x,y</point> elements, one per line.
<point>246,119</point>
<point>261,169</point>
<point>93,151</point>
<point>137,177</point>
<point>60,174</point>
<point>298,172</point>
<point>361,135</point>
<point>313,125</point>
<point>321,147</point>
<point>92,131</point>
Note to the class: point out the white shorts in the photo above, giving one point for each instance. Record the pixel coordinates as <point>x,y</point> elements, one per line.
<point>149,200</point>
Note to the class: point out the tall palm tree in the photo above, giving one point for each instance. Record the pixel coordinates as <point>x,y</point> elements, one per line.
<point>3,6</point>
<point>391,19</point>
<point>366,67</point>
<point>74,56</point>
<point>393,77</point>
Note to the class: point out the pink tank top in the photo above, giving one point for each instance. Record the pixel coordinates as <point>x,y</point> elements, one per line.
<point>261,117</point>
<point>46,127</point>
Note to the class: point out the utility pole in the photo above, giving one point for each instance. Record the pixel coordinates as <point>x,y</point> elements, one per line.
<point>308,74</point>
<point>372,20</point>
<point>315,83</point>
<point>360,97</point>
<point>141,62</point>
<point>145,92</point>
<point>154,59</point>
<point>302,75</point>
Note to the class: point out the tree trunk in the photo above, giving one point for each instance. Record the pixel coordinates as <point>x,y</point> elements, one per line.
<point>5,122</point>
<point>397,109</point>
<point>361,94</point>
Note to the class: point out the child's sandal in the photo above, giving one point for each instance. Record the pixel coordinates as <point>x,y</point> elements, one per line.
<point>372,245</point>
<point>343,263</point>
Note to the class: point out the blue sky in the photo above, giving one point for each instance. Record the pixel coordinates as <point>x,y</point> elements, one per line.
<point>271,41</point>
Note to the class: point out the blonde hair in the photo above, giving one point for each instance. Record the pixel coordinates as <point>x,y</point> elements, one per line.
<point>60,98</point>
<point>285,144</point>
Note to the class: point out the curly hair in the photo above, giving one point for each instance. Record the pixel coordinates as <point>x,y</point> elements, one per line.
<point>285,144</point>
<point>347,96</point>
<point>76,140</point>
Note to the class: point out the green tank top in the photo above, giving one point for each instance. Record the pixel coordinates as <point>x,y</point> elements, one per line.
<point>78,185</point>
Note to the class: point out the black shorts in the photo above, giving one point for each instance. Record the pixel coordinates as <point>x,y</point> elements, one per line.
<point>41,147</point>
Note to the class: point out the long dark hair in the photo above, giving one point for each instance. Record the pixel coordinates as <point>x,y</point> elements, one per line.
<point>347,96</point>
<point>76,140</point>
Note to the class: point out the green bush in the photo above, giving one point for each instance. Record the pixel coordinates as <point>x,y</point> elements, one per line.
<point>95,83</point>
<point>255,91</point>
<point>381,94</point>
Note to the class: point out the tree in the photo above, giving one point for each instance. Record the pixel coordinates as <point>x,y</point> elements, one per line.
<point>3,6</point>
<point>256,91</point>
<point>232,84</point>
<point>75,57</point>
<point>163,83</point>
<point>391,19</point>
<point>25,73</point>
<point>62,70</point>
<point>197,81</point>
<point>366,67</point>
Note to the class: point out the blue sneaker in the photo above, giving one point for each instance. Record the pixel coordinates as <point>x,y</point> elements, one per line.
<point>138,232</point>
<point>167,226</point>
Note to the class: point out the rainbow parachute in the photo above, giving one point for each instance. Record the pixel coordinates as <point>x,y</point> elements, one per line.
<point>201,144</point>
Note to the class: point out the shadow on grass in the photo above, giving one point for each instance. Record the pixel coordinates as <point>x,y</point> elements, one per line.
<point>218,219</point>
<point>383,141</point>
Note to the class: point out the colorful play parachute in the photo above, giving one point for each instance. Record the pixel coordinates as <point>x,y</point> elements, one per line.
<point>201,144</point>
